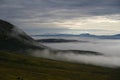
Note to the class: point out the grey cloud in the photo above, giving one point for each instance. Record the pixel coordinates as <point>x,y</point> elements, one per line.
<point>47,11</point>
<point>82,3</point>
<point>1,1</point>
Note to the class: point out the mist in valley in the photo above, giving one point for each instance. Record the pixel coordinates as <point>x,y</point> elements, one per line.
<point>109,49</point>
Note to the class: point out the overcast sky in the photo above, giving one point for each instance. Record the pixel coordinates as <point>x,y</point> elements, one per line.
<point>63,16</point>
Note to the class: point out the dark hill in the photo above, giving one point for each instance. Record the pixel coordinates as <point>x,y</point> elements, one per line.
<point>52,40</point>
<point>14,39</point>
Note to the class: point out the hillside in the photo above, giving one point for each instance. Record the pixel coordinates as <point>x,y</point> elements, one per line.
<point>22,67</point>
<point>14,39</point>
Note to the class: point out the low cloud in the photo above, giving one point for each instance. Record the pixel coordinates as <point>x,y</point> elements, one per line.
<point>109,49</point>
<point>99,60</point>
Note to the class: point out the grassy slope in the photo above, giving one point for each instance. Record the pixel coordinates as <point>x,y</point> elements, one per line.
<point>15,66</point>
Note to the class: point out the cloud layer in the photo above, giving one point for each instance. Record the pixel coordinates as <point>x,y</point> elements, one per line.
<point>46,13</point>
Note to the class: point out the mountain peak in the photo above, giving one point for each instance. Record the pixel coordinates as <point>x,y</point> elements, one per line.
<point>14,39</point>
<point>5,27</point>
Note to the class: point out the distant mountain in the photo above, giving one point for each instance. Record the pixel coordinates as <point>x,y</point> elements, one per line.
<point>14,39</point>
<point>55,35</point>
<point>87,35</point>
<point>117,36</point>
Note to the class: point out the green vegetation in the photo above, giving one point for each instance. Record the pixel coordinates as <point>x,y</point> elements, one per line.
<point>24,67</point>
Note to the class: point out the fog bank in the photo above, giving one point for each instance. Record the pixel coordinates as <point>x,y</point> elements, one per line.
<point>99,60</point>
<point>110,50</point>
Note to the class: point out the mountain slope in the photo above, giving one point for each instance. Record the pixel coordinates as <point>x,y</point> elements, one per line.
<point>14,39</point>
<point>22,67</point>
